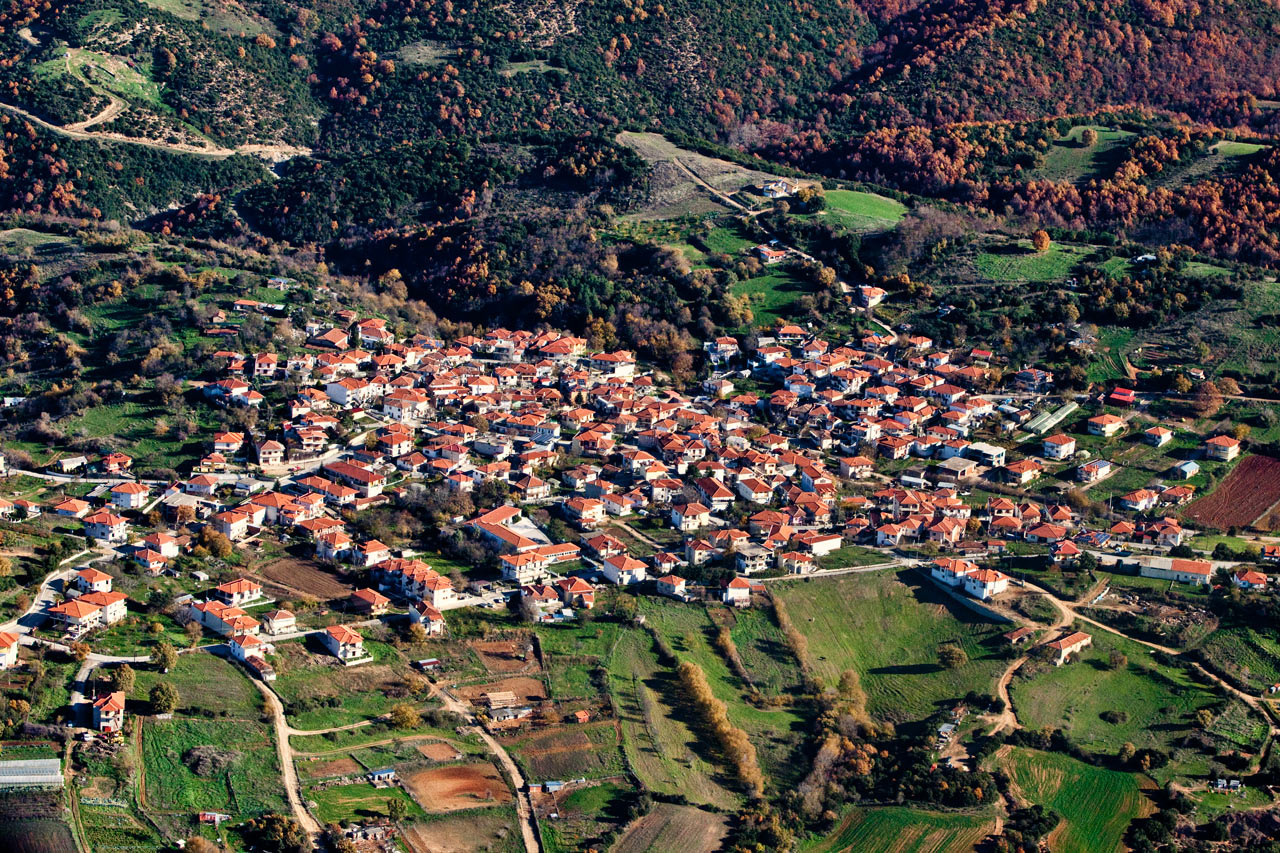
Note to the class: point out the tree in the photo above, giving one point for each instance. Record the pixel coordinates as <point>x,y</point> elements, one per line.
<point>1126,753</point>
<point>194,633</point>
<point>1117,659</point>
<point>80,651</point>
<point>215,543</point>
<point>405,716</point>
<point>952,656</point>
<point>1204,718</point>
<point>1181,384</point>
<point>396,809</point>
<point>278,832</point>
<point>1089,137</point>
<point>196,844</point>
<point>164,656</point>
<point>164,698</point>
<point>123,678</point>
<point>1040,240</point>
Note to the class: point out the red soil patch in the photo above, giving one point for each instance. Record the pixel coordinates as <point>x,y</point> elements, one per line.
<point>438,751</point>
<point>1252,488</point>
<point>460,786</point>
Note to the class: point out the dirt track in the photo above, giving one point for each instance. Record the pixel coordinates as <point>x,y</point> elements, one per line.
<point>274,153</point>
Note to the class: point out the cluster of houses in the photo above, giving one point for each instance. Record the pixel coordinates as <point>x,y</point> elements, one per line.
<point>752,482</point>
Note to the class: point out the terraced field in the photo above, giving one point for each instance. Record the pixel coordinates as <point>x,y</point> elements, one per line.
<point>900,830</point>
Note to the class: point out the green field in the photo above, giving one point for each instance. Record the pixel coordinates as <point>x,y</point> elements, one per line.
<point>773,296</point>
<point>1096,805</point>
<point>319,693</point>
<point>208,684</point>
<point>902,830</point>
<point>1160,702</point>
<point>345,803</point>
<point>1068,160</point>
<point>851,556</point>
<point>585,815</point>
<point>862,211</point>
<point>573,653</point>
<point>763,650</point>
<point>248,785</point>
<point>728,240</point>
<point>1019,262</point>
<point>1245,654</point>
<point>888,625</point>
<point>570,752</point>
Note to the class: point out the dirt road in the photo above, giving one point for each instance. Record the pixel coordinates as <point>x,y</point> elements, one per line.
<point>289,775</point>
<point>274,153</point>
<point>524,805</point>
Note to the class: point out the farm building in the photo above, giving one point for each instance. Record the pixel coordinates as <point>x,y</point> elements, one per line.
<point>1069,645</point>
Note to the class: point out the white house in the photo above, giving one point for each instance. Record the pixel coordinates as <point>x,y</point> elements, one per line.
<point>345,644</point>
<point>623,569</point>
<point>105,527</point>
<point>985,583</point>
<point>129,495</point>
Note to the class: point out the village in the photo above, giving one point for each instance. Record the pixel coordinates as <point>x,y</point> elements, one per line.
<point>570,480</point>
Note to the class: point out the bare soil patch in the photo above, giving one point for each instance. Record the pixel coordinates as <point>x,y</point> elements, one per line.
<point>438,751</point>
<point>337,767</point>
<point>460,786</point>
<point>505,655</point>
<point>463,834</point>
<point>526,689</point>
<point>300,577</point>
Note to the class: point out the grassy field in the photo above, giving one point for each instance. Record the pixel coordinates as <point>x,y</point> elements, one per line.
<point>1160,701</point>
<point>585,815</point>
<point>1019,262</point>
<point>888,625</point>
<point>248,785</point>
<point>211,685</point>
<point>862,211</point>
<point>572,653</point>
<point>773,295</point>
<point>345,803</point>
<point>1068,160</point>
<point>1096,805</point>
<point>1245,653</point>
<point>763,650</point>
<point>319,693</point>
<point>901,830</point>
<point>851,556</point>
<point>570,752</point>
<point>663,751</point>
<point>226,18</point>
